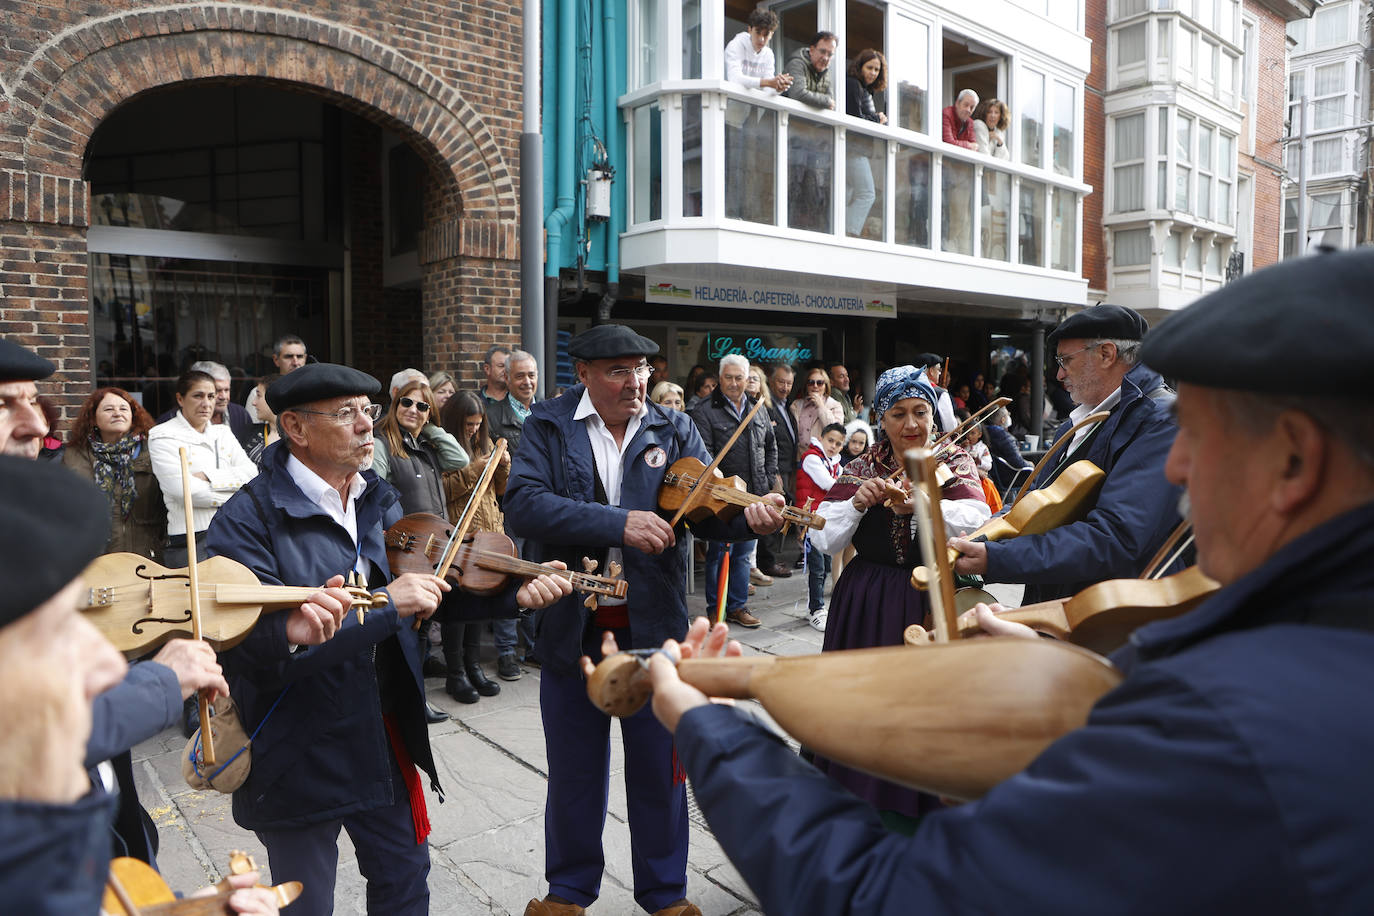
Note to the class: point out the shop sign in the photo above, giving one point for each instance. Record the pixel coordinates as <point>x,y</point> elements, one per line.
<point>756,349</point>
<point>770,297</point>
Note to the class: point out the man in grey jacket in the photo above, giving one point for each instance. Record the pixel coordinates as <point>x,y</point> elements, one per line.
<point>809,68</point>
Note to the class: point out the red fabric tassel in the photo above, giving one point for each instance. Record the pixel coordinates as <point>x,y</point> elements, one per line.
<point>679,774</point>
<point>419,811</point>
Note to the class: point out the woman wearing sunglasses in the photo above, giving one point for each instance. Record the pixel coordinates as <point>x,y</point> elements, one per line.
<point>815,409</point>
<point>411,452</point>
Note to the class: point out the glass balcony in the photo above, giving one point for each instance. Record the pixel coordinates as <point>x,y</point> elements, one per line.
<point>708,155</point>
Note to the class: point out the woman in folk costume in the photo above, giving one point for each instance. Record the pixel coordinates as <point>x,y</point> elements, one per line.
<point>873,601</point>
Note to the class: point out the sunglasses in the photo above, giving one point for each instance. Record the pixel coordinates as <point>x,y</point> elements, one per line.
<point>818,382</point>
<point>418,405</point>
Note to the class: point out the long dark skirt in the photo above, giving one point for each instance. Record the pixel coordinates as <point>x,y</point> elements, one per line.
<point>871,606</point>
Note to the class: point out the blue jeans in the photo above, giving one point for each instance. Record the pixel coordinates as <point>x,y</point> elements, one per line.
<point>737,588</point>
<point>817,568</point>
<point>859,174</point>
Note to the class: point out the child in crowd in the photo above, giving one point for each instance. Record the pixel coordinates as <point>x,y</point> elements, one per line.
<point>816,474</point>
<point>978,450</point>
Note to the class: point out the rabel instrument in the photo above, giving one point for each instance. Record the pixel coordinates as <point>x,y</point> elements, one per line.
<point>484,561</point>
<point>721,496</point>
<point>139,605</point>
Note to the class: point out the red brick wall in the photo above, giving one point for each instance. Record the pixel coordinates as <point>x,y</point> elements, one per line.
<point>441,74</point>
<point>1095,148</point>
<point>1271,93</point>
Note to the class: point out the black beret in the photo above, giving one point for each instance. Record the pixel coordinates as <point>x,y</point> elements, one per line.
<point>927,360</point>
<point>318,382</point>
<point>1100,322</point>
<point>1311,312</point>
<point>52,525</point>
<point>19,364</point>
<point>606,341</point>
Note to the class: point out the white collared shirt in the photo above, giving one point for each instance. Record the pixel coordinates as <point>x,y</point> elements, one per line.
<point>610,459</point>
<point>319,492</point>
<point>1079,412</point>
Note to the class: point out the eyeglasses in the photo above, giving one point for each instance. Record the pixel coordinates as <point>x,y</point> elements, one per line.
<point>622,373</point>
<point>817,382</point>
<point>346,416</point>
<point>418,405</point>
<point>1064,360</point>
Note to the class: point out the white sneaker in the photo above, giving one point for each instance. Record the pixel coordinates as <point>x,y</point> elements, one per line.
<point>817,620</point>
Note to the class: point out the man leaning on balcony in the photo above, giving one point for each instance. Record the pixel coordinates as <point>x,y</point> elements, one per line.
<point>809,69</point>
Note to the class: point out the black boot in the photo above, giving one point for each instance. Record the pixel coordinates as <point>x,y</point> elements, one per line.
<point>471,651</point>
<point>457,685</point>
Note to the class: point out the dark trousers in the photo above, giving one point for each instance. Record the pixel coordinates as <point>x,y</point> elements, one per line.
<point>577,738</point>
<point>817,568</point>
<point>395,866</point>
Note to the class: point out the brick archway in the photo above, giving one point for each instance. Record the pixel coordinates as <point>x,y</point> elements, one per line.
<point>73,82</point>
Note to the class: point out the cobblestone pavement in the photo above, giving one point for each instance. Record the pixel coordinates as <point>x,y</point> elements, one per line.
<point>487,845</point>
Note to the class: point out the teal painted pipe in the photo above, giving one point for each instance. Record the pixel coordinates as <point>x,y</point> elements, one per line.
<point>610,46</point>
<point>557,223</point>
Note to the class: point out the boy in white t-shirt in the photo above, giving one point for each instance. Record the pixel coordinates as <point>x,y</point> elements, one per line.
<point>749,60</point>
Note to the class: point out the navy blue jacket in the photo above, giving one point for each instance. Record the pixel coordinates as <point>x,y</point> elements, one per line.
<point>54,858</point>
<point>324,752</point>
<point>1135,511</point>
<point>1002,445</point>
<point>137,708</point>
<point>551,501</point>
<point>1226,774</point>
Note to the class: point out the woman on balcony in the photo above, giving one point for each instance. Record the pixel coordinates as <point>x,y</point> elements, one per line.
<point>867,75</point>
<point>990,128</point>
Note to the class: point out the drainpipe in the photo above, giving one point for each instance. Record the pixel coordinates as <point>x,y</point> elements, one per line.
<point>563,36</point>
<point>532,195</point>
<point>610,44</point>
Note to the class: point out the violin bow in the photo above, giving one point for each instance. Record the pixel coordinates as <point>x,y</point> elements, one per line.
<point>930,529</point>
<point>1055,449</point>
<point>469,513</point>
<point>207,736</point>
<point>963,429</point>
<point>698,490</point>
<point>1178,541</point>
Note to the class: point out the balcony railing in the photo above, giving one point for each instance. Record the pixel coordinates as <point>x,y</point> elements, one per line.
<point>709,153</point>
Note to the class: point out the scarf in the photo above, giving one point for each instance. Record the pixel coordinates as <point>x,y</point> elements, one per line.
<point>114,469</point>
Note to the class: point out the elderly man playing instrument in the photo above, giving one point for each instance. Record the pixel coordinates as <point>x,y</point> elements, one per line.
<point>585,483</point>
<point>1218,776</point>
<point>1098,355</point>
<point>338,728</point>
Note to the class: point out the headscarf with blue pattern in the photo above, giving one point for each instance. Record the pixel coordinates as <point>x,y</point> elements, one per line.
<point>899,383</point>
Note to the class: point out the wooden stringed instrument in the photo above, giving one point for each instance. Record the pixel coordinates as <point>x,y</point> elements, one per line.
<point>134,888</point>
<point>484,562</point>
<point>1103,616</point>
<point>138,604</point>
<point>1066,500</point>
<point>954,719</point>
<point>724,497</point>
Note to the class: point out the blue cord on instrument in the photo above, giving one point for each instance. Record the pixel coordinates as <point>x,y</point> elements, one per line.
<point>195,746</point>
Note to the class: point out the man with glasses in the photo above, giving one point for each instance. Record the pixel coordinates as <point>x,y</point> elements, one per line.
<point>585,484</point>
<point>338,728</point>
<point>1136,508</point>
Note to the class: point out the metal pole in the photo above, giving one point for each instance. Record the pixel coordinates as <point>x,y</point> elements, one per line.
<point>532,199</point>
<point>1037,380</point>
<point>1300,242</point>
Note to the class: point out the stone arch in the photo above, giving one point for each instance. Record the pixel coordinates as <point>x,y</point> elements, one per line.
<point>75,80</point>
